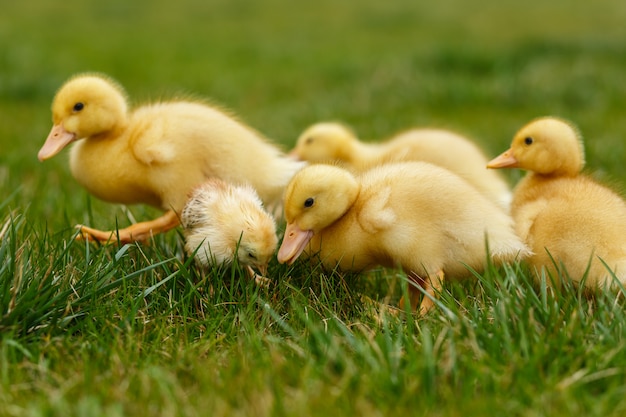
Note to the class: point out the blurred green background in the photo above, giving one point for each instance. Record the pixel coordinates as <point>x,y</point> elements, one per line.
<point>483,68</point>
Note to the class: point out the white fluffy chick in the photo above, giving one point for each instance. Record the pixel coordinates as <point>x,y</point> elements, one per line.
<point>223,220</point>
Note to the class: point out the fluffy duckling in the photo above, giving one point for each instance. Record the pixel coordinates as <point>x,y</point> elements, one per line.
<point>157,153</point>
<point>565,217</point>
<point>415,215</point>
<point>221,221</point>
<point>324,142</point>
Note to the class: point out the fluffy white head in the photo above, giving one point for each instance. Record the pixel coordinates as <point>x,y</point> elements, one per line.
<point>223,220</point>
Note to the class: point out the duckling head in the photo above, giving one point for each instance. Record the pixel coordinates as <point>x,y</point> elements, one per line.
<point>546,146</point>
<point>257,243</point>
<point>85,106</point>
<point>223,221</point>
<point>257,238</point>
<point>316,197</point>
<point>325,142</point>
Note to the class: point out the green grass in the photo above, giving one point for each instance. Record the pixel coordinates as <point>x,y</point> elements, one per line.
<point>139,330</point>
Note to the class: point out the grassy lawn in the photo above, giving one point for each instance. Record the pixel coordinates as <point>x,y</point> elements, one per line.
<point>140,330</point>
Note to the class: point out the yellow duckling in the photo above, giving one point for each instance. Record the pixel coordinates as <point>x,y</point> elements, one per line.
<point>157,153</point>
<point>565,217</point>
<point>334,142</point>
<point>222,220</point>
<point>414,215</point>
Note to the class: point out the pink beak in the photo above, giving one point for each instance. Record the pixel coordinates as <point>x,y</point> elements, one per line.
<point>294,242</point>
<point>57,139</point>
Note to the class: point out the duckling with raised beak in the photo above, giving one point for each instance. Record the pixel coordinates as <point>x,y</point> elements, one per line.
<point>573,224</point>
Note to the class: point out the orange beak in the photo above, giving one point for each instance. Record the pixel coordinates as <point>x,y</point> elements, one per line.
<point>504,160</point>
<point>294,242</point>
<point>57,139</point>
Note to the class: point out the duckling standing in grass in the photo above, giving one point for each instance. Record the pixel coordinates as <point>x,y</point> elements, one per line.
<point>157,153</point>
<point>572,224</point>
<point>334,142</point>
<point>222,221</point>
<point>414,215</point>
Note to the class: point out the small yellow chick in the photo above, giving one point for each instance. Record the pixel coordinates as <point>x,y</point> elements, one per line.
<point>334,142</point>
<point>157,153</point>
<point>222,220</point>
<point>412,215</point>
<point>565,217</point>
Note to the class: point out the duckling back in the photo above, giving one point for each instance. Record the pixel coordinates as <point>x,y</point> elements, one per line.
<point>327,142</point>
<point>172,147</point>
<point>232,151</point>
<point>453,152</point>
<point>422,217</point>
<point>456,222</point>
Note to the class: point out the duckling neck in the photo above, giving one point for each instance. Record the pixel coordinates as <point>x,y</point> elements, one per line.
<point>564,171</point>
<point>349,151</point>
<point>533,187</point>
<point>365,154</point>
<point>113,133</point>
<point>534,179</point>
<point>570,170</point>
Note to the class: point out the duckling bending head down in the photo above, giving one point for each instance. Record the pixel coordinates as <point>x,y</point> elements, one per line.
<point>573,224</point>
<point>157,153</point>
<point>331,142</point>
<point>222,221</point>
<point>412,215</point>
<point>334,142</point>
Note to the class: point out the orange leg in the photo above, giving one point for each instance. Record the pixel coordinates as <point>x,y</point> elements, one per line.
<point>137,232</point>
<point>430,286</point>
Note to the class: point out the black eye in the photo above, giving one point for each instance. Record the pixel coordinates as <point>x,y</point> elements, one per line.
<point>309,140</point>
<point>528,141</point>
<point>309,202</point>
<point>251,255</point>
<point>78,106</point>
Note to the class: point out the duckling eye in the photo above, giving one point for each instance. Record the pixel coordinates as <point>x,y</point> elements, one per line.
<point>528,141</point>
<point>309,140</point>
<point>78,106</point>
<point>251,255</point>
<point>309,202</point>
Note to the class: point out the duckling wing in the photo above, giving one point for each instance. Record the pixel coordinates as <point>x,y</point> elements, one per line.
<point>150,144</point>
<point>376,213</point>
